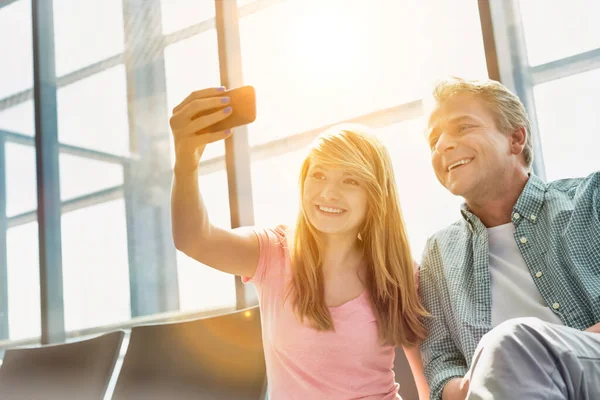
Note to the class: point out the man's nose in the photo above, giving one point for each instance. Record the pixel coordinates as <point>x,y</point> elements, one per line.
<point>445,143</point>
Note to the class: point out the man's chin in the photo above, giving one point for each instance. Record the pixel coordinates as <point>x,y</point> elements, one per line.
<point>457,188</point>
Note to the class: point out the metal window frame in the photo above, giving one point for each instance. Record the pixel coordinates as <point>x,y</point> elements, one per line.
<point>3,245</point>
<point>48,178</point>
<point>152,263</point>
<point>237,154</point>
<point>506,56</point>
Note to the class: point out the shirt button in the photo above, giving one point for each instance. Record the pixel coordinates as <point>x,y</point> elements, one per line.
<point>533,217</point>
<point>538,274</point>
<point>556,306</point>
<point>523,240</point>
<point>516,216</point>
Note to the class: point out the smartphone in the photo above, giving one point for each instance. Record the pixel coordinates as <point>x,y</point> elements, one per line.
<point>243,109</point>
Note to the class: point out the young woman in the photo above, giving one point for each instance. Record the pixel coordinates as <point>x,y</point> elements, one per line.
<point>336,292</point>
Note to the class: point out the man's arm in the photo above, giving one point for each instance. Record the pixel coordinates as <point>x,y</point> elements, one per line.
<point>597,197</point>
<point>441,358</point>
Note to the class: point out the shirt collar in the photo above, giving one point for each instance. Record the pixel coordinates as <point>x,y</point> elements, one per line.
<point>528,204</point>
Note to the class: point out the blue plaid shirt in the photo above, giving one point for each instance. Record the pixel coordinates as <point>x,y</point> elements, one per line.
<point>557,230</point>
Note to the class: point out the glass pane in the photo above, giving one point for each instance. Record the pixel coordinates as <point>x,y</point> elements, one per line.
<point>202,287</point>
<point>179,14</point>
<point>86,32</point>
<point>99,121</point>
<point>275,189</point>
<point>80,176</point>
<point>315,63</point>
<point>21,188</point>
<point>193,64</point>
<point>556,29</point>
<point>426,205</point>
<point>19,118</point>
<point>567,113</point>
<point>23,282</point>
<point>16,46</point>
<point>95,266</point>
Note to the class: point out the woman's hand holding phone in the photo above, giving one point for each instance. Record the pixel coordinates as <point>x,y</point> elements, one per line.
<point>193,115</point>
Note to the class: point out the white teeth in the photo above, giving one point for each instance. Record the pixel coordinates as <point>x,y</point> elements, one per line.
<point>461,162</point>
<point>331,210</point>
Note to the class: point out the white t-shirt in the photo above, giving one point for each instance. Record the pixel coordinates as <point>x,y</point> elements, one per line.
<point>514,293</point>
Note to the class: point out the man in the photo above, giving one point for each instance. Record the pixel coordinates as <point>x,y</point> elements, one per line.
<point>514,285</point>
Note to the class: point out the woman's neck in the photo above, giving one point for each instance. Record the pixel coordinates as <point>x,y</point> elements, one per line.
<point>342,253</point>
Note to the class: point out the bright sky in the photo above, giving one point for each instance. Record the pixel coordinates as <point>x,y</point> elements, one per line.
<point>313,63</point>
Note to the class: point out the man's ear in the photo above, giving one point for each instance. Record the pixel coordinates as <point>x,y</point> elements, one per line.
<point>518,139</point>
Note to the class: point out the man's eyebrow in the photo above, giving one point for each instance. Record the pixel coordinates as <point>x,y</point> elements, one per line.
<point>460,118</point>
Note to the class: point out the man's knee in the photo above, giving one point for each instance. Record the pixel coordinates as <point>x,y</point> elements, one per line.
<point>509,339</point>
<point>513,334</point>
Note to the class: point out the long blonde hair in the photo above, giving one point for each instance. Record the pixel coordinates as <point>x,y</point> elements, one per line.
<point>390,279</point>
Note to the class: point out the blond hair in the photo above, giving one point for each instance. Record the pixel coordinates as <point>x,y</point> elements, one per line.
<point>390,278</point>
<point>509,113</point>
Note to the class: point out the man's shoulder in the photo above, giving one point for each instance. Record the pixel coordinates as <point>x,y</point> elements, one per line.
<point>448,234</point>
<point>444,243</point>
<point>576,186</point>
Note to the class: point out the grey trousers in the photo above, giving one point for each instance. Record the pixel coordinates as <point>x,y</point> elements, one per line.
<point>526,358</point>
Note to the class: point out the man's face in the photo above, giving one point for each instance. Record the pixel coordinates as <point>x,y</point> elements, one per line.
<point>468,152</point>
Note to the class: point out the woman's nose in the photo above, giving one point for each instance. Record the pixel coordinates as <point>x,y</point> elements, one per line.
<point>330,191</point>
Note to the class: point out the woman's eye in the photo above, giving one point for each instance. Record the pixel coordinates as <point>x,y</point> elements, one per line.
<point>351,181</point>
<point>318,175</point>
<point>463,127</point>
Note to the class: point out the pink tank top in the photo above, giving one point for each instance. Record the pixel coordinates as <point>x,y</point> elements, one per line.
<point>306,364</point>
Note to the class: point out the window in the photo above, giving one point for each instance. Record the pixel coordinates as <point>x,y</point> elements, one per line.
<point>316,64</point>
<point>94,263</point>
<point>23,282</point>
<point>181,14</point>
<point>202,287</point>
<point>193,64</point>
<point>81,176</point>
<point>92,112</point>
<point>562,75</point>
<point>569,124</point>
<point>15,40</point>
<point>555,30</point>
<point>18,118</point>
<point>20,179</point>
<point>86,33</point>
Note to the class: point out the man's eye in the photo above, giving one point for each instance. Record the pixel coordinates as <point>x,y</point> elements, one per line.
<point>463,127</point>
<point>433,143</point>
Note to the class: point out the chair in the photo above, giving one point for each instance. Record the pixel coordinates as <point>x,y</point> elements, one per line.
<point>204,359</point>
<point>68,371</point>
<point>404,376</point>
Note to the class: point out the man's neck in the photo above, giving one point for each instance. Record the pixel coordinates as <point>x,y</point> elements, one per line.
<point>496,208</point>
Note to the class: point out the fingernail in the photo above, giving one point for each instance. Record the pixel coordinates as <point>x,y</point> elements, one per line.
<point>221,89</point>
<point>224,100</point>
<point>227,110</point>
<point>228,131</point>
